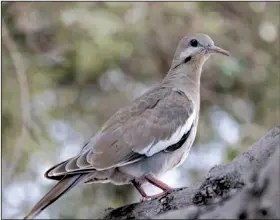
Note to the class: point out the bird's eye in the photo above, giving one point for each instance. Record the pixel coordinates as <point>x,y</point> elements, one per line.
<point>193,43</point>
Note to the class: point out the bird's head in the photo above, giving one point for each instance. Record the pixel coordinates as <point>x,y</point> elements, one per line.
<point>196,49</point>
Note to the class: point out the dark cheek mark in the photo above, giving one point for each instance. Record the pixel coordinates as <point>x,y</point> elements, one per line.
<point>187,59</point>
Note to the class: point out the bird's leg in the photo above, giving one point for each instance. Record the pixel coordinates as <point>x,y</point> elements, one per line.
<point>151,179</point>
<point>139,188</point>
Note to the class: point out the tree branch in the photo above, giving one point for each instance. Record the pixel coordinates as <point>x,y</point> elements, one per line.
<point>220,193</point>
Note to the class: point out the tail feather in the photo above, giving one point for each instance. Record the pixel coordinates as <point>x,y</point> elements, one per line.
<point>57,191</point>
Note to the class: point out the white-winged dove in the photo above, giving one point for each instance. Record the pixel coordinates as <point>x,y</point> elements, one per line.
<point>145,138</point>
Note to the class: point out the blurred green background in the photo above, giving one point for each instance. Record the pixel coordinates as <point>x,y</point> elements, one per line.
<point>66,67</point>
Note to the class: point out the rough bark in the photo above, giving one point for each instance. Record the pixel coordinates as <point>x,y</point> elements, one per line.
<point>248,187</point>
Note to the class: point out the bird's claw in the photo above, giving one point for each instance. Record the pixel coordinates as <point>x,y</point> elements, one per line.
<point>159,195</point>
<point>143,199</point>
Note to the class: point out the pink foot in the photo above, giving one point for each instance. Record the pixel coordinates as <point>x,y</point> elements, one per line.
<point>155,196</point>
<point>160,194</point>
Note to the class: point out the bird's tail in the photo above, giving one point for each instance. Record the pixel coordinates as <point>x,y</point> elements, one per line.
<point>58,190</point>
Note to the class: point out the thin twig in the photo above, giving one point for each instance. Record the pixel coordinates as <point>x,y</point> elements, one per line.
<point>24,98</point>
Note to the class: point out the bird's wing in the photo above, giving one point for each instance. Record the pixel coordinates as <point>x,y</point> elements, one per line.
<point>151,124</point>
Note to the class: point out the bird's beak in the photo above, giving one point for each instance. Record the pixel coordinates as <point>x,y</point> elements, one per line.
<point>215,49</point>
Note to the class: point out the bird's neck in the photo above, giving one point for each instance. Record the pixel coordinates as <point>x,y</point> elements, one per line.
<point>185,78</point>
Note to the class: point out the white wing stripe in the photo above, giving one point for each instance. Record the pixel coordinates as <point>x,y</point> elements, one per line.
<point>152,148</point>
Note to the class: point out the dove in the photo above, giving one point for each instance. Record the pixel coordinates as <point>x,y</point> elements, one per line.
<point>145,138</point>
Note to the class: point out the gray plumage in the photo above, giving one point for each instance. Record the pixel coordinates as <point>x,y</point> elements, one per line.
<point>145,138</point>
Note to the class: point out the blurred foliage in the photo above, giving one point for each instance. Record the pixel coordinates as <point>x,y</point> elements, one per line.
<point>84,60</point>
